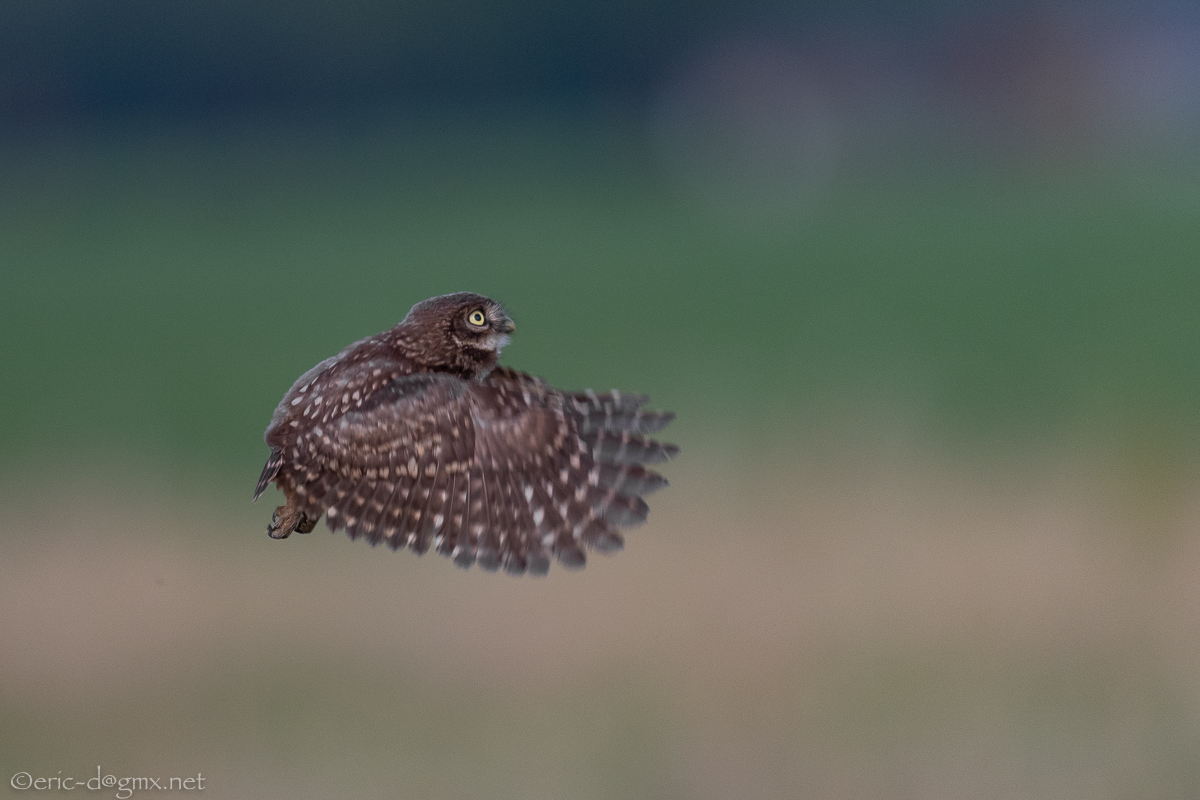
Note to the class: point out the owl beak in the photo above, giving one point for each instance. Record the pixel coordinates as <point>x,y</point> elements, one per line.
<point>507,326</point>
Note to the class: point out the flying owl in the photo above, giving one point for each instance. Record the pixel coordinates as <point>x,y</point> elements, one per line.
<point>416,438</point>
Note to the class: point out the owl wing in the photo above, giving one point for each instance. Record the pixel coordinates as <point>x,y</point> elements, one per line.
<point>554,473</point>
<point>385,468</point>
<point>504,472</point>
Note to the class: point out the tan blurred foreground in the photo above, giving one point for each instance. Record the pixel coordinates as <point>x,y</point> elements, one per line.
<point>892,628</point>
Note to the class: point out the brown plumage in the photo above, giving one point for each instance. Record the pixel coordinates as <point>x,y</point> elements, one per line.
<point>416,438</point>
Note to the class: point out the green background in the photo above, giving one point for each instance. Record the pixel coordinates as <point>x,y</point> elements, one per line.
<point>932,532</point>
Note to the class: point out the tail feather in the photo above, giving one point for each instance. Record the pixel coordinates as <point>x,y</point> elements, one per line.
<point>274,462</point>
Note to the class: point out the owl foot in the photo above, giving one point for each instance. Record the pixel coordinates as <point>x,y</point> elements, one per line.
<point>287,519</point>
<point>283,522</point>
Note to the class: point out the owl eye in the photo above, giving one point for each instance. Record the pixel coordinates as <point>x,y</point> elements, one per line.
<point>477,319</point>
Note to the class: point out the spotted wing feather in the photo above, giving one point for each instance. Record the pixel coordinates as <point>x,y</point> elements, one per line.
<point>506,472</point>
<point>562,471</point>
<point>617,411</point>
<point>369,464</point>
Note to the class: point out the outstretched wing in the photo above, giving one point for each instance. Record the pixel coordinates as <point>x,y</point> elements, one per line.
<point>384,469</point>
<point>506,472</point>
<point>559,472</point>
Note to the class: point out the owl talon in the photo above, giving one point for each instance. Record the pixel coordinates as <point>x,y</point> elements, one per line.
<point>283,522</point>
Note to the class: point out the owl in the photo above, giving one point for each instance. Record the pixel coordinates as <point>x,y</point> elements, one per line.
<point>415,437</point>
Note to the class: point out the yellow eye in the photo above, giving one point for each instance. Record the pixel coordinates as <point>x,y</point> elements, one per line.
<point>477,318</point>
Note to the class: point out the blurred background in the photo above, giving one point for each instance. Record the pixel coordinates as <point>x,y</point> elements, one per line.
<point>920,280</point>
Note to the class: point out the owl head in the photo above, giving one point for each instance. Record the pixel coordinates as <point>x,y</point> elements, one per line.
<point>461,333</point>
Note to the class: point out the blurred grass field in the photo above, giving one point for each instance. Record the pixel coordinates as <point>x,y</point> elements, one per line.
<point>165,289</point>
<point>932,533</point>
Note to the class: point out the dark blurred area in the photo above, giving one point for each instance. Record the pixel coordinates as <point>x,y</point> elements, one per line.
<point>920,280</point>
<point>68,61</point>
<point>78,60</point>
<point>1053,71</point>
